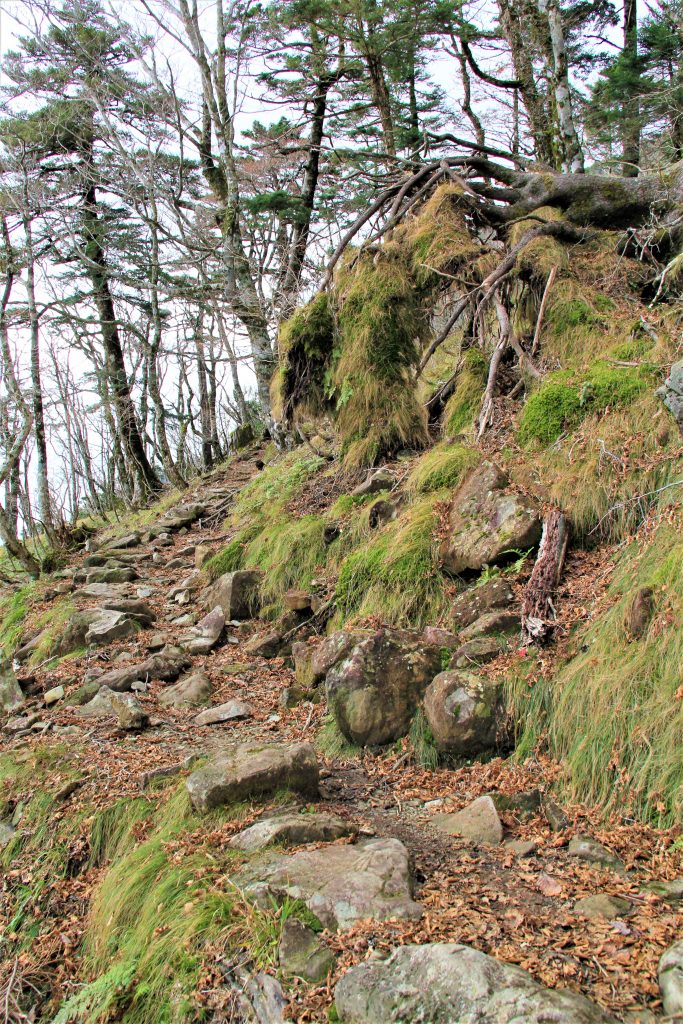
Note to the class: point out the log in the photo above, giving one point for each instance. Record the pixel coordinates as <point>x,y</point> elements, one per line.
<point>538,610</point>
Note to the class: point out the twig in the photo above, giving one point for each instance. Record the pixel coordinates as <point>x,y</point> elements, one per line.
<point>629,501</point>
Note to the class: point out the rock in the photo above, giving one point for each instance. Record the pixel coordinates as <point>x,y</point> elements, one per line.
<point>670,977</point>
<point>291,696</point>
<point>166,665</point>
<point>52,696</point>
<point>488,521</point>
<point>290,830</point>
<point>179,517</point>
<point>670,892</point>
<point>136,609</point>
<point>202,554</point>
<point>83,694</point>
<point>121,575</point>
<point>585,848</point>
<point>381,513</point>
<point>601,904</point>
<point>228,712</point>
<point>302,954</point>
<point>157,641</point>
<point>298,600</point>
<point>130,714</point>
<point>105,591</point>
<point>465,713</point>
<point>330,533</point>
<point>639,612</point>
<point>449,983</point>
<point>312,662</point>
<point>253,770</point>
<point>265,645</point>
<point>206,634</point>
<point>374,691</point>
<point>100,706</point>
<point>345,884</point>
<point>380,480</point>
<point>110,626</point>
<point>254,998</point>
<point>6,833</point>
<point>10,691</point>
<point>476,601</point>
<point>191,689</point>
<point>478,651</point>
<point>439,637</point>
<point>671,392</point>
<point>478,822</point>
<point>496,623</point>
<point>130,540</point>
<point>20,723</point>
<point>237,593</point>
<point>522,847</point>
<point>554,814</point>
<point>521,806</point>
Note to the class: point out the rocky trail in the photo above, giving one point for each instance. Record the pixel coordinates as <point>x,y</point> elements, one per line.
<point>499,904</point>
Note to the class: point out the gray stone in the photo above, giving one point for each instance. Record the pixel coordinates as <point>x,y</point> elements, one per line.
<point>133,607</point>
<point>478,822</point>
<point>121,575</point>
<point>312,662</point>
<point>522,805</point>
<point>522,847</point>
<point>53,695</point>
<point>670,892</point>
<point>291,830</point>
<point>191,689</point>
<point>585,848</point>
<point>601,904</point>
<point>440,637</point>
<point>671,392</point>
<point>202,554</point>
<point>131,716</point>
<point>670,977</point>
<point>10,691</point>
<point>496,623</point>
<point>100,706</point>
<point>83,694</point>
<point>7,831</point>
<point>478,651</point>
<point>476,601</point>
<point>104,591</point>
<point>345,884</point>
<point>110,626</point>
<point>374,691</point>
<point>130,540</point>
<point>254,770</point>
<point>166,665</point>
<point>449,983</point>
<point>488,522</point>
<point>554,814</point>
<point>302,954</point>
<point>465,713</point>
<point>381,512</point>
<point>298,600</point>
<point>380,480</point>
<point>237,593</point>
<point>179,517</point>
<point>205,635</point>
<point>265,645</point>
<point>228,712</point>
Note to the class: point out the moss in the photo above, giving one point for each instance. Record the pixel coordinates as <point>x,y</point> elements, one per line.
<point>305,345</point>
<point>625,756</point>
<point>229,559</point>
<point>14,609</point>
<point>439,241</point>
<point>395,575</point>
<point>463,405</point>
<point>563,400</point>
<point>288,551</point>
<point>442,467</point>
<point>332,744</point>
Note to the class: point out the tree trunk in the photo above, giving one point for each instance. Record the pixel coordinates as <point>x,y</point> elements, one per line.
<point>538,611</point>
<point>571,147</point>
<point>147,483</point>
<point>630,152</point>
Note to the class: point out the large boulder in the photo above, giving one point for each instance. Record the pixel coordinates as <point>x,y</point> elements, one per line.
<point>488,522</point>
<point>203,637</point>
<point>303,954</point>
<point>449,983</point>
<point>109,626</point>
<point>374,691</point>
<point>253,770</point>
<point>345,884</point>
<point>465,713</point>
<point>133,607</point>
<point>10,691</point>
<point>236,593</point>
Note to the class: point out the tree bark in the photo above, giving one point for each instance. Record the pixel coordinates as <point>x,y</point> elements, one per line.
<point>571,147</point>
<point>538,611</point>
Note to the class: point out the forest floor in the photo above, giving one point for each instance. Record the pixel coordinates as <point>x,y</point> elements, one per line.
<point>518,909</point>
